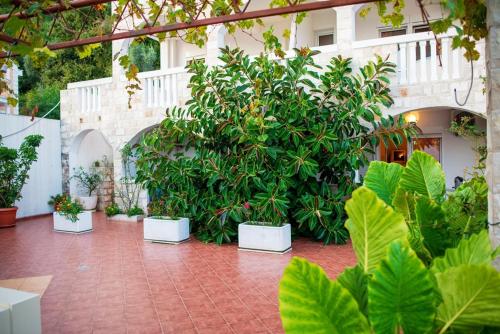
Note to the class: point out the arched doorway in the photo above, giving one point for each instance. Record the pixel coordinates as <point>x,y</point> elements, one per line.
<point>91,151</point>
<point>456,153</point>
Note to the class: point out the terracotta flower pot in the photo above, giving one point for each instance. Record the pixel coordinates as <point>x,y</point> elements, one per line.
<point>8,217</point>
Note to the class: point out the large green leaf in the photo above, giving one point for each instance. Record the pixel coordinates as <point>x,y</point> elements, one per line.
<point>471,295</point>
<point>430,219</point>
<point>356,282</point>
<point>475,250</point>
<point>404,203</point>
<point>373,225</point>
<point>401,293</point>
<point>423,175</point>
<point>383,179</point>
<point>312,303</point>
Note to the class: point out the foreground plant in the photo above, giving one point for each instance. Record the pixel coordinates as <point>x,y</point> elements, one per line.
<point>270,142</point>
<point>391,289</point>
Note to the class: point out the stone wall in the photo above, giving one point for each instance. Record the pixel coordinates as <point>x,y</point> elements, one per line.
<point>106,188</point>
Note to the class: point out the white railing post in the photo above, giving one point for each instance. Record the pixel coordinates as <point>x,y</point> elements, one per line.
<point>162,91</point>
<point>149,86</point>
<point>433,60</point>
<point>413,62</point>
<point>456,64</point>
<point>423,61</point>
<point>82,99</point>
<point>174,89</point>
<point>445,42</point>
<point>403,64</point>
<point>98,98</point>
<point>89,99</point>
<point>168,90</point>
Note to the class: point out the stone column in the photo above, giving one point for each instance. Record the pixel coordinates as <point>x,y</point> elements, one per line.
<point>346,28</point>
<point>493,118</point>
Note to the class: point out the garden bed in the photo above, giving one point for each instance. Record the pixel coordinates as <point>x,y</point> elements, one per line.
<point>125,218</point>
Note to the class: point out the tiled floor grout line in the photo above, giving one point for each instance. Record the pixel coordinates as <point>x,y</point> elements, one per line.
<point>227,323</point>
<point>256,316</point>
<point>182,300</point>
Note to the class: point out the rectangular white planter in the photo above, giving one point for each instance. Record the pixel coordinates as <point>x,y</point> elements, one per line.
<point>19,312</point>
<point>124,218</point>
<point>166,230</point>
<point>83,224</point>
<point>262,238</point>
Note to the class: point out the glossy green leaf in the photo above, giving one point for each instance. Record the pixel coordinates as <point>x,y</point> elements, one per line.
<point>373,225</point>
<point>383,179</point>
<point>401,293</point>
<point>471,295</point>
<point>423,175</point>
<point>312,303</point>
<point>475,250</point>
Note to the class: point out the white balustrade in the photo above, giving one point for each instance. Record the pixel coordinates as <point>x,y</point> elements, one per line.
<point>161,87</point>
<point>89,94</point>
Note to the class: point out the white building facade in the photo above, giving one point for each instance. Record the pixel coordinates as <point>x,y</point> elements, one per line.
<point>96,120</point>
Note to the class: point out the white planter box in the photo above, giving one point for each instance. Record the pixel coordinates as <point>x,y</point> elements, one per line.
<point>19,312</point>
<point>124,218</point>
<point>83,224</point>
<point>261,238</point>
<point>166,230</point>
<point>88,202</point>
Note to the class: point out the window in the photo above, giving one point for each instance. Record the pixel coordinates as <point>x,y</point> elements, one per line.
<point>430,145</point>
<point>325,38</point>
<point>392,32</point>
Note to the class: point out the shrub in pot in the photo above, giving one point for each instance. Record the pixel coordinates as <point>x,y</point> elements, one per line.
<point>170,209</point>
<point>14,169</point>
<point>70,217</point>
<point>254,122</point>
<point>88,182</point>
<point>404,282</point>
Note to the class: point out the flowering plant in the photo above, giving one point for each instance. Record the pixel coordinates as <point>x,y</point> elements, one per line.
<point>69,209</point>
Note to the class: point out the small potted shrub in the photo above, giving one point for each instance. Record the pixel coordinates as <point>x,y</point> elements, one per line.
<point>88,181</point>
<point>266,229</point>
<point>165,223</point>
<point>14,168</point>
<point>70,217</point>
<point>112,210</point>
<point>56,200</point>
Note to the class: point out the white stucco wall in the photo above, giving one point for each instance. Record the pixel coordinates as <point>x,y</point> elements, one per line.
<point>45,174</point>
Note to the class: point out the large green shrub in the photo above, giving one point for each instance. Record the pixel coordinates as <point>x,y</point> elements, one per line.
<point>14,168</point>
<point>274,141</point>
<point>391,289</point>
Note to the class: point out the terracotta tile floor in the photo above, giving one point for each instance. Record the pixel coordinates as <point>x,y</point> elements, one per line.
<point>111,281</point>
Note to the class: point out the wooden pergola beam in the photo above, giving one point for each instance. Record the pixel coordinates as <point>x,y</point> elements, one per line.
<point>208,21</point>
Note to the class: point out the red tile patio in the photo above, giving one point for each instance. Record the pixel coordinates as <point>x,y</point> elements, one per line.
<point>111,281</point>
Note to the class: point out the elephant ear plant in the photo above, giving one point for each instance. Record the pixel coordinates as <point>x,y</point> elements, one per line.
<point>393,289</point>
<point>14,168</point>
<point>273,141</point>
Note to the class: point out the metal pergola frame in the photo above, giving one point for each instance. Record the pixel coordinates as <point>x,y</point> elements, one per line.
<point>241,13</point>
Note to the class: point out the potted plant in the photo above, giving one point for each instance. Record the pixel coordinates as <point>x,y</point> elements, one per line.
<point>88,181</point>
<point>70,217</point>
<point>165,224</point>
<point>265,228</point>
<point>14,168</point>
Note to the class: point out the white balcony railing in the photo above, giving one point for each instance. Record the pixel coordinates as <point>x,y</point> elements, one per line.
<point>433,63</point>
<point>89,93</point>
<point>161,88</point>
